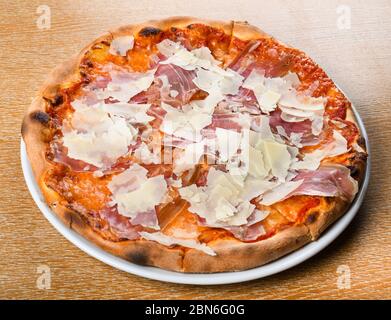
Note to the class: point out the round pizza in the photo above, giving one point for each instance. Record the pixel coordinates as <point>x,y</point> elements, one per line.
<point>194,146</point>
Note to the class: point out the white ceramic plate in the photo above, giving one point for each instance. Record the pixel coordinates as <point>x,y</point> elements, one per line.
<point>279,265</point>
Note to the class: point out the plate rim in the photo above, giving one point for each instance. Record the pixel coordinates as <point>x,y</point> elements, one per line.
<point>284,263</point>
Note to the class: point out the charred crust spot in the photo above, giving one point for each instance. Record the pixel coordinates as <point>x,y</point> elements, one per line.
<point>354,171</point>
<point>68,216</point>
<point>312,217</point>
<point>40,116</point>
<point>73,218</point>
<point>357,165</point>
<point>77,220</point>
<point>87,63</point>
<point>57,100</point>
<point>85,77</point>
<point>361,142</point>
<point>149,31</point>
<point>138,257</point>
<point>174,29</point>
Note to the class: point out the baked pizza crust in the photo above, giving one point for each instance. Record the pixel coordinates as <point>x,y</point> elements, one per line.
<point>232,254</point>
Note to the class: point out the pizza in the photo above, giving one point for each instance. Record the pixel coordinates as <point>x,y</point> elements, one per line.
<point>194,146</point>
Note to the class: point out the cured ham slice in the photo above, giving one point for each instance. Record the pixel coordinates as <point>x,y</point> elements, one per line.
<point>146,219</point>
<point>151,95</point>
<point>243,101</point>
<point>177,86</point>
<point>119,225</point>
<point>332,180</point>
<point>248,233</point>
<point>301,127</point>
<point>253,229</point>
<point>241,63</point>
<point>230,121</point>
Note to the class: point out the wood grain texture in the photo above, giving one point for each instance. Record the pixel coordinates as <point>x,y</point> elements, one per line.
<point>358,59</point>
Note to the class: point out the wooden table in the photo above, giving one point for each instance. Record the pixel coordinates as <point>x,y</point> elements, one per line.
<point>358,59</point>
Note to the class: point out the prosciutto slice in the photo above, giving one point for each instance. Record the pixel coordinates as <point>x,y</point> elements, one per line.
<point>146,219</point>
<point>241,63</point>
<point>151,95</point>
<point>229,121</point>
<point>119,224</point>
<point>177,86</point>
<point>248,232</point>
<point>301,127</point>
<point>331,180</point>
<point>243,101</point>
<point>253,229</point>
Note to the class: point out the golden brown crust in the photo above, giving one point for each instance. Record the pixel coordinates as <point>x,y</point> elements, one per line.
<point>231,254</point>
<point>234,255</point>
<point>173,22</point>
<point>244,31</point>
<point>317,222</point>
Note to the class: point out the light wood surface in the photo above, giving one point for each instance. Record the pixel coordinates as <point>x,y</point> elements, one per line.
<point>358,59</point>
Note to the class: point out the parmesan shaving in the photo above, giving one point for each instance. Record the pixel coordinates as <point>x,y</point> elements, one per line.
<point>170,241</point>
<point>280,192</point>
<point>129,190</point>
<point>121,45</point>
<point>125,85</point>
<point>96,138</point>
<point>186,123</point>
